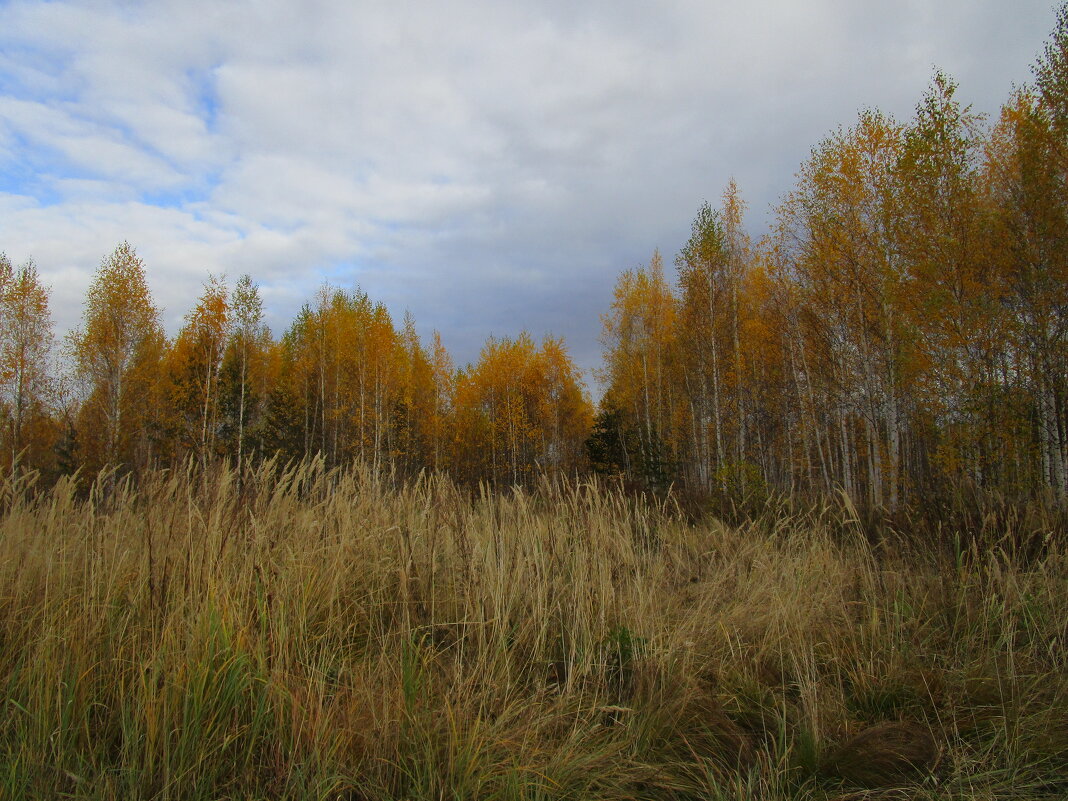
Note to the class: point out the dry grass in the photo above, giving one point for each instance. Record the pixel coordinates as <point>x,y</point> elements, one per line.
<point>328,635</point>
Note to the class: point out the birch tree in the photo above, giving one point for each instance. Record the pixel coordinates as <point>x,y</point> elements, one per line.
<point>25,345</point>
<point>117,351</point>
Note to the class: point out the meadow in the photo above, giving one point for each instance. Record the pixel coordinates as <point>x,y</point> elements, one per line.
<point>301,632</point>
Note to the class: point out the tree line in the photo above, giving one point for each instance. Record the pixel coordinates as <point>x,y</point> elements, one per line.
<point>343,382</point>
<point>902,328</point>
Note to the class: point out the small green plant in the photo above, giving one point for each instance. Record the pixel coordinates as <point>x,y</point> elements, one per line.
<point>621,649</point>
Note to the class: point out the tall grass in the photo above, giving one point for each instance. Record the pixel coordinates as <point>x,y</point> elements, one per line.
<point>312,633</point>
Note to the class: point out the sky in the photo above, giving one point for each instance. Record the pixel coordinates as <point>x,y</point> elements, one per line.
<point>489,167</point>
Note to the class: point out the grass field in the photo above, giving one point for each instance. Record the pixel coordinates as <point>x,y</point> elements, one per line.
<point>329,635</point>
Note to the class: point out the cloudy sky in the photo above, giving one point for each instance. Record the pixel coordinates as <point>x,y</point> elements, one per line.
<point>489,166</point>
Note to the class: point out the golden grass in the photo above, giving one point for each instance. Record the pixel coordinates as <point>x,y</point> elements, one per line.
<point>331,634</point>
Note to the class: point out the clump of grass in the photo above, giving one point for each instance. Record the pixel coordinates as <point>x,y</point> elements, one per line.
<point>314,633</point>
<point>884,755</point>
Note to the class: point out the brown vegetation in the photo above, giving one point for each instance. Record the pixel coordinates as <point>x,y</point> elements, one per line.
<point>316,633</point>
<point>884,755</point>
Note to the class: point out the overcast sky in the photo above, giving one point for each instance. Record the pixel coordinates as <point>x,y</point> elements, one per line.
<point>490,167</point>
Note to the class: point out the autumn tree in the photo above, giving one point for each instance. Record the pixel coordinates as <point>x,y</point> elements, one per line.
<point>25,345</point>
<point>955,293</point>
<point>851,286</point>
<point>638,338</point>
<point>1026,178</point>
<point>704,316</point>
<point>738,253</point>
<point>520,412</point>
<point>498,390</point>
<point>1051,79</point>
<point>1040,279</point>
<point>245,370</point>
<point>439,425</point>
<point>346,367</point>
<point>422,404</point>
<point>561,410</point>
<point>772,410</point>
<point>312,368</point>
<point>193,368</point>
<point>117,353</point>
<point>713,266</point>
